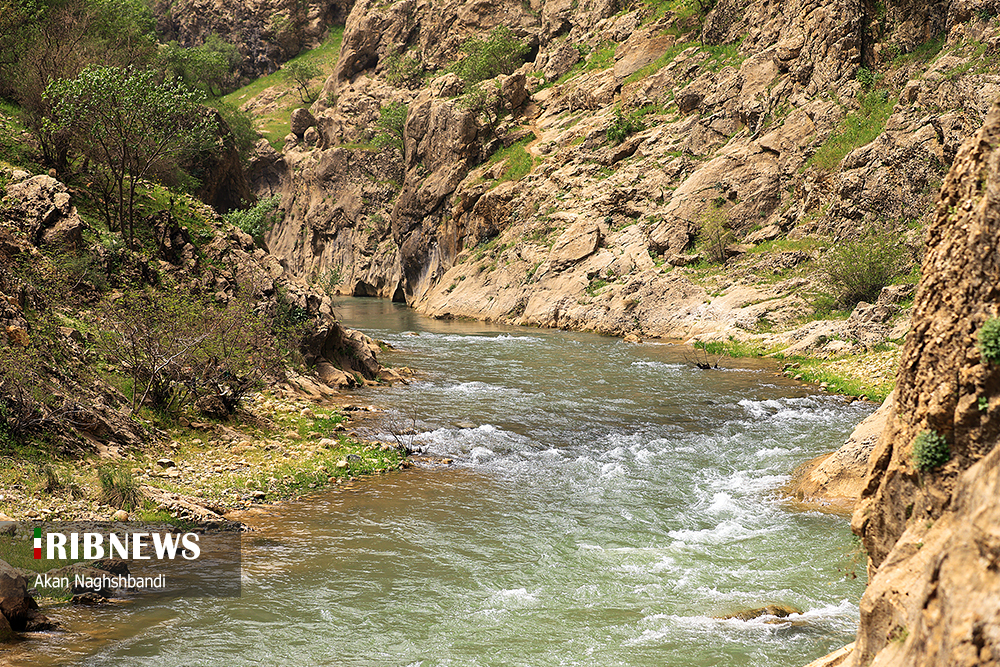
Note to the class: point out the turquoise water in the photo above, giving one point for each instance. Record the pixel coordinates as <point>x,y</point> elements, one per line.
<point>606,503</point>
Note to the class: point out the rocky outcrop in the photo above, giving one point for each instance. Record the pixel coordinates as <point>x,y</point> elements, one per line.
<point>19,609</point>
<point>41,205</point>
<point>731,127</point>
<point>833,482</point>
<point>81,410</point>
<point>930,532</point>
<point>266,32</point>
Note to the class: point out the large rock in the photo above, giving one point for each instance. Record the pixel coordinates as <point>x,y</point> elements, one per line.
<point>301,120</point>
<point>6,632</point>
<point>41,207</point>
<point>19,608</point>
<point>580,240</point>
<point>931,535</point>
<point>833,482</point>
<point>561,61</point>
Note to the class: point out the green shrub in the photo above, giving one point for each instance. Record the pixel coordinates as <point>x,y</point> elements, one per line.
<point>391,119</point>
<point>500,53</point>
<point>402,70</point>
<point>858,270</point>
<point>119,488</point>
<point>930,450</point>
<point>714,235</point>
<point>989,340</point>
<point>257,219</point>
<point>624,125</point>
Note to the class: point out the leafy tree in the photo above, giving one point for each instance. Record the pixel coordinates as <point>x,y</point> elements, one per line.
<point>46,40</point>
<point>242,132</point>
<point>391,120</point>
<point>486,102</point>
<point>207,67</point>
<point>500,53</point>
<point>131,127</point>
<point>302,73</point>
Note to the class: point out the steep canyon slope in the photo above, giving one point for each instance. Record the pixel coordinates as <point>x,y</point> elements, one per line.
<point>632,138</point>
<point>931,532</point>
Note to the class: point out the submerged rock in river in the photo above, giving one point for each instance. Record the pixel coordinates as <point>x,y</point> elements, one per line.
<point>776,610</point>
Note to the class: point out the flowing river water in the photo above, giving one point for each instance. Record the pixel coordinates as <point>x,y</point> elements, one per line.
<point>607,502</point>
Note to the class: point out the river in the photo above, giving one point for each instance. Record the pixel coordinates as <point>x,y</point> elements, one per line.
<point>606,503</point>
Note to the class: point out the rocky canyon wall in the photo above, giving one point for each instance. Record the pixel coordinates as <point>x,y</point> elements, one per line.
<point>933,534</point>
<point>734,106</point>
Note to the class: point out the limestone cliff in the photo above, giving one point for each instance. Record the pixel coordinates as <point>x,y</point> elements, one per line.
<point>931,534</point>
<point>266,32</point>
<point>735,105</point>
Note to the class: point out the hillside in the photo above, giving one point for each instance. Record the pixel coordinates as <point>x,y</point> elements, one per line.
<point>654,170</point>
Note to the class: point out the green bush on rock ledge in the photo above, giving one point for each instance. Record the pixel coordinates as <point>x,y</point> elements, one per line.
<point>989,340</point>
<point>930,450</point>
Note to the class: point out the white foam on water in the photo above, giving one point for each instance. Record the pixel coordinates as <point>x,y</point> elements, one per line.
<point>777,451</point>
<point>479,454</point>
<point>722,502</point>
<point>729,530</point>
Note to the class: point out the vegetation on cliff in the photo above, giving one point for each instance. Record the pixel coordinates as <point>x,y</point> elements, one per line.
<point>131,310</point>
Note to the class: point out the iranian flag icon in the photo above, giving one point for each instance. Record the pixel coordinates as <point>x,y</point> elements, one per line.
<point>38,543</point>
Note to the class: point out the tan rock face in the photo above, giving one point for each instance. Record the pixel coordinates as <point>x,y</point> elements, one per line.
<point>735,135</point>
<point>266,32</point>
<point>930,535</point>
<point>833,482</point>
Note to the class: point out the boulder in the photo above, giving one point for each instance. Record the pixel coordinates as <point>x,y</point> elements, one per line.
<point>19,608</point>
<point>513,90</point>
<point>580,240</point>
<point>633,55</point>
<point>776,610</point>
<point>681,259</point>
<point>833,482</point>
<point>301,121</point>
<point>6,632</point>
<point>561,61</point>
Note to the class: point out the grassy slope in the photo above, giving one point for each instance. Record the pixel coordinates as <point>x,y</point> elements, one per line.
<point>272,122</point>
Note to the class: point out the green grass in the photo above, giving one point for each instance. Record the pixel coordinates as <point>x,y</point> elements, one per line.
<point>682,9</point>
<point>14,153</point>
<point>273,125</point>
<point>812,370</point>
<point>923,53</point>
<point>732,348</point>
<point>518,162</point>
<point>602,58</point>
<point>722,55</point>
<point>857,129</point>
<point>596,285</point>
<point>807,244</point>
